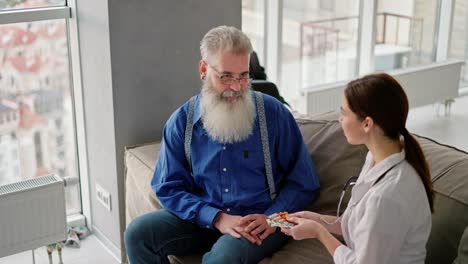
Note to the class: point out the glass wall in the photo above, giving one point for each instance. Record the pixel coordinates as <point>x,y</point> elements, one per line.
<point>405,33</point>
<point>37,133</point>
<point>321,38</point>
<point>319,44</point>
<point>459,38</point>
<point>253,24</point>
<point>22,4</point>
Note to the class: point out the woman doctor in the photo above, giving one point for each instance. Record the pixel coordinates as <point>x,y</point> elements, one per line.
<point>388,218</point>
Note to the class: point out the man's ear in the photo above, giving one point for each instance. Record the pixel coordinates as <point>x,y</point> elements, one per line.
<point>202,68</point>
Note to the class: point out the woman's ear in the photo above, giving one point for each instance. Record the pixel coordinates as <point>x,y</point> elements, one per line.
<point>368,124</point>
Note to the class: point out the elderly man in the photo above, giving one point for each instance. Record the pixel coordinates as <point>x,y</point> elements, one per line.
<point>229,158</point>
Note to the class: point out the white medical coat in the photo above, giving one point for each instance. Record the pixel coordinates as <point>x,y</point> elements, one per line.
<point>388,222</point>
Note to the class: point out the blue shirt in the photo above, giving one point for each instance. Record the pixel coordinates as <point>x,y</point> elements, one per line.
<point>231,177</point>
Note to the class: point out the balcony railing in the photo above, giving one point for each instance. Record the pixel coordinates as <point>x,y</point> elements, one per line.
<point>329,42</point>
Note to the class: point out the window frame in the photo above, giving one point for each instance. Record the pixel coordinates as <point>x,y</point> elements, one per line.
<point>67,12</point>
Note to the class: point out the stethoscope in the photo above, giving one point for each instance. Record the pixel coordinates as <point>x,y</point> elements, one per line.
<point>351,182</point>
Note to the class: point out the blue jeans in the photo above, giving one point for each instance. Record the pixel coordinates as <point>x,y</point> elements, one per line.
<point>150,238</point>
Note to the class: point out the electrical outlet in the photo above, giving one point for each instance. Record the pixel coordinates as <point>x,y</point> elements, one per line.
<point>103,197</point>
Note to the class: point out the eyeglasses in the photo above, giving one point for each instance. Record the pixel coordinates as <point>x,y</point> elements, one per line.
<point>229,79</point>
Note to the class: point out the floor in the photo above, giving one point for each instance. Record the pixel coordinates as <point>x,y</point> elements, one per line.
<point>91,251</point>
<point>429,121</point>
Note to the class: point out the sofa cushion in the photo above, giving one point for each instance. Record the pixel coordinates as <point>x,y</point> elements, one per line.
<point>462,257</point>
<point>335,160</point>
<point>449,172</point>
<point>303,251</point>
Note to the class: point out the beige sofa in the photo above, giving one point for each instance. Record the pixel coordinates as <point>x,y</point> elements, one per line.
<point>336,161</point>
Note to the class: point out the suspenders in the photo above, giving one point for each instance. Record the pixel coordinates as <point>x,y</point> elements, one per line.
<point>188,132</point>
<point>263,134</point>
<point>265,145</point>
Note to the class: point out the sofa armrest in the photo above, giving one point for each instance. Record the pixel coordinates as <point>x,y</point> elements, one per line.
<point>139,168</point>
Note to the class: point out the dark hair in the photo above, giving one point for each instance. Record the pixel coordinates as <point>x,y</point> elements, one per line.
<point>257,72</point>
<point>382,98</point>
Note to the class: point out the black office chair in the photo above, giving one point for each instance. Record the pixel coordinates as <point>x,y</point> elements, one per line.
<point>269,88</point>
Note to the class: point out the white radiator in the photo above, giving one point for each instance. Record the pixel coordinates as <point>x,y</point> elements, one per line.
<point>424,85</point>
<point>32,214</point>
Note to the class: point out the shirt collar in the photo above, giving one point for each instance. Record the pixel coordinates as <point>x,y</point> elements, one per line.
<point>371,173</point>
<point>197,112</point>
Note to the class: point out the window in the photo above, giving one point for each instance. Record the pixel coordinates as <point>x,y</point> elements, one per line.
<point>253,24</point>
<point>60,141</point>
<point>405,34</point>
<point>459,38</point>
<point>319,44</point>
<point>58,123</point>
<point>330,41</point>
<point>38,94</point>
<point>39,150</point>
<point>21,4</point>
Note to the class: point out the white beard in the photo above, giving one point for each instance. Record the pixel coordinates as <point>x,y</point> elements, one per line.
<point>226,122</point>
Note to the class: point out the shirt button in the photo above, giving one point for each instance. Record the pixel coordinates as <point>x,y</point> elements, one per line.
<point>224,169</point>
<point>228,210</point>
<point>224,147</point>
<point>207,226</point>
<point>226,190</point>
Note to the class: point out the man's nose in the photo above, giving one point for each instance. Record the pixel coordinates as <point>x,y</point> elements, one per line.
<point>236,86</point>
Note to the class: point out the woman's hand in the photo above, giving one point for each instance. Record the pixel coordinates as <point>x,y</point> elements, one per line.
<point>307,215</point>
<point>304,228</point>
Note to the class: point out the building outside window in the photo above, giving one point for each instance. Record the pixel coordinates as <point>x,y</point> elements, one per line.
<point>36,90</point>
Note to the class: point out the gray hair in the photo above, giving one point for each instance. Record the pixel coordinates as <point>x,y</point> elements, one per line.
<point>224,38</point>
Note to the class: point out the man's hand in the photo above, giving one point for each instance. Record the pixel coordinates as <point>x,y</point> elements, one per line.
<point>257,225</point>
<point>230,224</point>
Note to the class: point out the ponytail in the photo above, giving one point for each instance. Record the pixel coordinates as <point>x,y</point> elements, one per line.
<point>415,156</point>
<point>382,98</point>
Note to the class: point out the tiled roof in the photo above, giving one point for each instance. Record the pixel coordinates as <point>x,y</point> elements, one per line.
<point>57,30</point>
<point>42,172</point>
<point>28,119</point>
<point>14,36</point>
<point>23,64</point>
<point>32,4</point>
